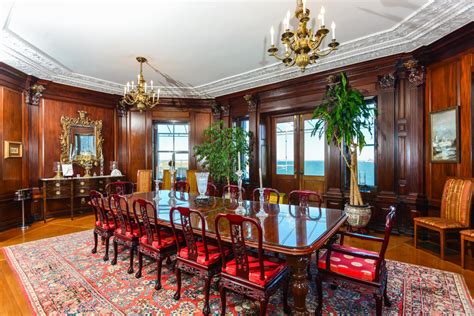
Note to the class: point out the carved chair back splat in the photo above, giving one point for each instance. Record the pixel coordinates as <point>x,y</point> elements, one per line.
<point>304,198</point>
<point>118,204</point>
<point>120,187</point>
<point>239,249</point>
<point>188,232</point>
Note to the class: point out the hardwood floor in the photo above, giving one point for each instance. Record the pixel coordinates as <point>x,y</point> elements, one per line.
<point>13,302</point>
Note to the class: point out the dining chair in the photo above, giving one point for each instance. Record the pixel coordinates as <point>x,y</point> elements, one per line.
<point>248,273</point>
<point>154,241</point>
<point>104,224</point>
<point>234,192</point>
<point>363,269</point>
<point>267,193</point>
<point>198,256</point>
<point>211,190</point>
<point>120,187</point>
<point>455,212</point>
<point>304,198</point>
<point>126,228</point>
<point>182,187</point>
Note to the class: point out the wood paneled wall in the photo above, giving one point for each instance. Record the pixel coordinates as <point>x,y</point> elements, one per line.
<point>13,171</point>
<point>36,123</point>
<point>137,132</point>
<point>404,174</point>
<point>449,84</point>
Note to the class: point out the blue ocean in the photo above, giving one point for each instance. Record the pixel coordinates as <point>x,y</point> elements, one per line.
<point>316,168</point>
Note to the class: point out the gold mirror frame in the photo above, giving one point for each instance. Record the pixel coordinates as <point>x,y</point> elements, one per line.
<point>65,139</point>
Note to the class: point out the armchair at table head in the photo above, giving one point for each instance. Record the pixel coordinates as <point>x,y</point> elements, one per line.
<point>357,266</point>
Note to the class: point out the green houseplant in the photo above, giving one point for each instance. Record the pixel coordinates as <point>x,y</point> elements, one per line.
<point>342,117</point>
<point>219,150</point>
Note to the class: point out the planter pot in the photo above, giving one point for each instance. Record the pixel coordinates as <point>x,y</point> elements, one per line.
<point>358,216</point>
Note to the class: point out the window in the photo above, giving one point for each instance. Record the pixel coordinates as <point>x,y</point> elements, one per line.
<point>172,141</point>
<point>244,124</point>
<point>366,157</point>
<point>285,154</point>
<point>313,150</point>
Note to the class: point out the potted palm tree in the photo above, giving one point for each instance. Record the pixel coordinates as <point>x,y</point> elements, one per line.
<point>219,151</point>
<point>342,117</point>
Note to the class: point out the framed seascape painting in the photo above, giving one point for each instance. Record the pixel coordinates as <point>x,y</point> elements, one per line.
<point>445,136</point>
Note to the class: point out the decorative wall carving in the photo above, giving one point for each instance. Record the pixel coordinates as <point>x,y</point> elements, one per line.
<point>33,94</point>
<point>416,73</point>
<point>387,81</point>
<point>251,101</point>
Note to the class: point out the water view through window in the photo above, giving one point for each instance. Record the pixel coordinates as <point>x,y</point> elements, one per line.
<point>313,151</point>
<point>366,157</point>
<point>285,148</point>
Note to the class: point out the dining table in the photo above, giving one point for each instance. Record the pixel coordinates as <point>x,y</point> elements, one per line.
<point>291,230</point>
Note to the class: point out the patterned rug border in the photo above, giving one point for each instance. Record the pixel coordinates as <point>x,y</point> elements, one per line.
<point>33,302</point>
<point>20,276</point>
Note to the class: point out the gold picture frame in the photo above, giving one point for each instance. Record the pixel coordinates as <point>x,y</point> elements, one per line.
<point>12,149</point>
<point>445,136</point>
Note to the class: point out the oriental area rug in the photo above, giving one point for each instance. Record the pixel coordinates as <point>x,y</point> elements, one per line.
<point>60,276</point>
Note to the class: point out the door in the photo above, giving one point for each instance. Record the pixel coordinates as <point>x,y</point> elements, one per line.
<point>312,151</point>
<point>297,157</point>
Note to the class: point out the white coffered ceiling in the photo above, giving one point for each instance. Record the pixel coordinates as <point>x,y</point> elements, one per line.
<point>203,48</point>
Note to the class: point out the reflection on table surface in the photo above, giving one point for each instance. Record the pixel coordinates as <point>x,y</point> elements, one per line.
<point>286,226</point>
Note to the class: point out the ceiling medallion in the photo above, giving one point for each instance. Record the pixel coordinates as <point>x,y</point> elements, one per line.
<point>141,96</point>
<point>302,47</point>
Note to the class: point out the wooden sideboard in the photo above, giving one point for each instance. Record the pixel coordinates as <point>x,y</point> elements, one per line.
<point>73,188</point>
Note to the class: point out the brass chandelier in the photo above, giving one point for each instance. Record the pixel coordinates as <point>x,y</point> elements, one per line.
<point>302,47</point>
<point>141,96</point>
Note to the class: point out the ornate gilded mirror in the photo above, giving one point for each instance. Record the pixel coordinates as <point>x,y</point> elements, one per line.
<point>81,141</point>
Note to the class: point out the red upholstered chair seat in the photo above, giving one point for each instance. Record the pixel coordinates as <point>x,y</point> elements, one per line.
<point>213,252</point>
<point>273,267</point>
<point>129,234</point>
<point>349,265</point>
<point>166,240</point>
<point>107,226</point>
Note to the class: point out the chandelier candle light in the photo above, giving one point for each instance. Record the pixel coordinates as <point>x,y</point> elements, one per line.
<point>142,96</point>
<point>302,47</point>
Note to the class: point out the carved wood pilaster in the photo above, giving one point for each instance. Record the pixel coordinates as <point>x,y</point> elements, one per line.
<point>33,94</point>
<point>252,102</point>
<point>416,72</point>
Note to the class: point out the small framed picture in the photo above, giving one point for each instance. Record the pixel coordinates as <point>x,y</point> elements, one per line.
<point>445,136</point>
<point>12,149</point>
<point>67,170</point>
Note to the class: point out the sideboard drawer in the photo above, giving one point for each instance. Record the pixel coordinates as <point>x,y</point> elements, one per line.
<point>60,191</point>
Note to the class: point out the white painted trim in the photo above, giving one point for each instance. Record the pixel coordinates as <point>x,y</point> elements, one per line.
<point>431,22</point>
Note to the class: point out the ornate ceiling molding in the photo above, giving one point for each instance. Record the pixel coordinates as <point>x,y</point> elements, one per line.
<point>433,21</point>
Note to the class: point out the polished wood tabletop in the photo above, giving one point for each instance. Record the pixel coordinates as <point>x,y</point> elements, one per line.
<point>288,229</point>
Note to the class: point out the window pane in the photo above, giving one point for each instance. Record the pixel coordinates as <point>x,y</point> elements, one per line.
<point>181,143</point>
<point>366,166</point>
<point>172,138</point>
<point>182,161</point>
<point>313,151</point>
<point>165,128</point>
<point>165,142</point>
<point>285,148</point>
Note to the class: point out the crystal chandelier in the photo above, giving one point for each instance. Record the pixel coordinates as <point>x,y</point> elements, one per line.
<point>302,47</point>
<point>141,96</point>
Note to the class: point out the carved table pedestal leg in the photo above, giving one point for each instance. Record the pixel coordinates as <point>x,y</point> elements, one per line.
<point>299,282</point>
